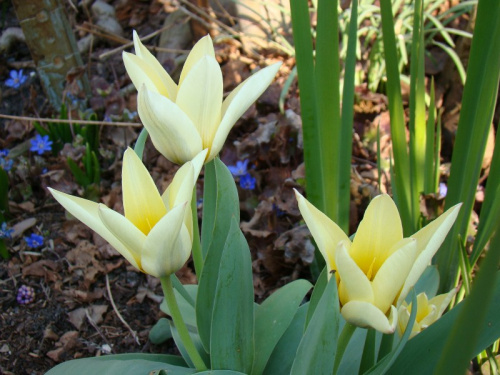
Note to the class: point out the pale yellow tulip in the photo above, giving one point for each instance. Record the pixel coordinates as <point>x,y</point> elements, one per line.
<point>187,118</point>
<point>428,311</point>
<point>156,233</point>
<point>378,268</point>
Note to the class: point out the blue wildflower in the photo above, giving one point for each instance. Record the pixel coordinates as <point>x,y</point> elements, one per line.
<point>4,153</point>
<point>17,78</point>
<point>5,232</point>
<point>240,169</point>
<point>5,164</point>
<point>25,295</point>
<point>443,189</point>
<point>34,241</point>
<point>41,144</point>
<point>247,182</point>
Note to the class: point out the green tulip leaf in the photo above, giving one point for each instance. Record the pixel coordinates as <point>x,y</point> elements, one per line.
<point>315,354</point>
<point>160,332</point>
<point>187,310</point>
<point>428,283</point>
<point>318,290</point>
<point>221,203</point>
<point>124,364</point>
<point>281,360</point>
<point>182,349</point>
<point>232,332</point>
<point>272,319</point>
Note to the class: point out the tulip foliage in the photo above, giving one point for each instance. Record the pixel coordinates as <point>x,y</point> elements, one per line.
<point>373,308</point>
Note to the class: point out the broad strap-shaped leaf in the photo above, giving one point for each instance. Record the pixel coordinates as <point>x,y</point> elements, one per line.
<point>182,349</point>
<point>232,329</point>
<point>281,360</point>
<point>272,319</point>
<point>185,307</point>
<point>318,290</point>
<point>160,332</point>
<point>316,352</point>
<point>124,364</point>
<point>220,372</point>
<point>221,203</point>
<point>428,283</point>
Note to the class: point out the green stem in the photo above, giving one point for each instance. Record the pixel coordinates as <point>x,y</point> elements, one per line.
<point>168,290</point>
<point>343,341</point>
<point>197,255</point>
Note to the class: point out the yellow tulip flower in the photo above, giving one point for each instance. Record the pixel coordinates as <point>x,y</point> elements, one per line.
<point>156,233</point>
<point>187,118</point>
<point>379,267</point>
<point>428,311</point>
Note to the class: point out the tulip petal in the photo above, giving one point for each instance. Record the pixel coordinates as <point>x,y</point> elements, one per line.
<point>172,132</point>
<point>168,245</point>
<point>377,233</point>
<point>180,189</point>
<point>167,82</point>
<point>443,300</point>
<point>126,232</point>
<point>429,239</point>
<point>325,232</point>
<point>204,47</point>
<point>364,314</point>
<point>240,99</point>
<point>88,213</point>
<point>141,201</point>
<point>354,285</point>
<point>141,74</point>
<point>392,274</point>
<point>200,97</point>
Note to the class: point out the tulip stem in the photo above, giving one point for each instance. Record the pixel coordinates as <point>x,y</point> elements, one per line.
<point>197,255</point>
<point>343,341</point>
<point>176,315</point>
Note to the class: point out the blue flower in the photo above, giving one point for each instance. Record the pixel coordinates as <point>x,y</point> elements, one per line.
<point>34,241</point>
<point>247,182</point>
<point>5,164</point>
<point>5,232</point>
<point>443,189</point>
<point>41,144</point>
<point>16,79</point>
<point>240,169</point>
<point>4,153</point>
<point>25,295</point>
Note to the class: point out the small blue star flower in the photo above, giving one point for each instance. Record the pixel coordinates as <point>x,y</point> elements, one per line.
<point>4,153</point>
<point>240,169</point>
<point>5,232</point>
<point>17,78</point>
<point>5,164</point>
<point>247,182</point>
<point>34,241</point>
<point>41,144</point>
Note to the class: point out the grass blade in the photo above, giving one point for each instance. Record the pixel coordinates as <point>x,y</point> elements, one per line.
<point>478,103</point>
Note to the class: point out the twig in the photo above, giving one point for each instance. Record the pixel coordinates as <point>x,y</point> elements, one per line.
<point>93,324</point>
<point>131,43</point>
<point>62,121</point>
<point>134,334</point>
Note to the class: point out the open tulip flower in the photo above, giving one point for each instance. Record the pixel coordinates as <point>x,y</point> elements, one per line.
<point>378,268</point>
<point>156,233</point>
<point>428,311</point>
<point>186,118</point>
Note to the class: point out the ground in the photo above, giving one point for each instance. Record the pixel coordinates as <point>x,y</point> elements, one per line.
<point>88,299</point>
